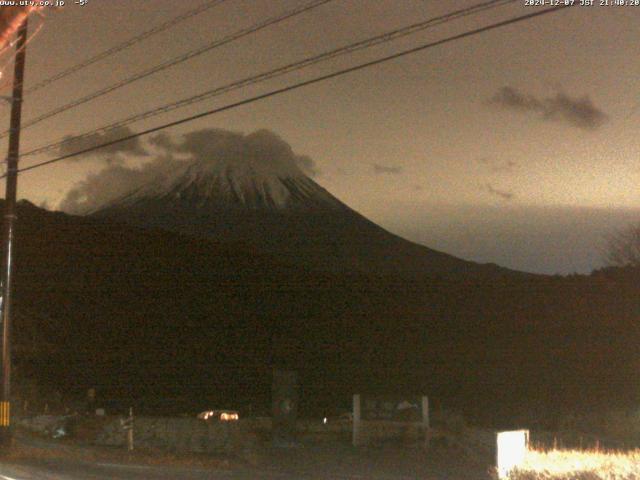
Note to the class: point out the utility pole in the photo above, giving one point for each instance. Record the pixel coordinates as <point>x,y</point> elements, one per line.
<point>8,232</point>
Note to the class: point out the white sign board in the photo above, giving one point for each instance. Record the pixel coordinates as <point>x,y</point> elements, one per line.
<point>511,449</point>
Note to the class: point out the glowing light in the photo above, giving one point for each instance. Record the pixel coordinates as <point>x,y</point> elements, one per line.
<point>512,448</point>
<point>221,415</point>
<point>205,415</point>
<point>228,417</point>
<point>324,420</point>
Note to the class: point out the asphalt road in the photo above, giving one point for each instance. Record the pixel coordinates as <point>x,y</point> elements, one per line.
<point>62,469</point>
<point>67,470</point>
<point>70,470</point>
<point>47,460</point>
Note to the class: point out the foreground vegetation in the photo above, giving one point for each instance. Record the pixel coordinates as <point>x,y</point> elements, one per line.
<point>579,465</point>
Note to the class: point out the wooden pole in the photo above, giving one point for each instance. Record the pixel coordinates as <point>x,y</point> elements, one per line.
<point>130,431</point>
<point>8,231</point>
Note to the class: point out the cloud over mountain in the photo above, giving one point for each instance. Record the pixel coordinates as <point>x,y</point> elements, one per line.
<point>109,153</point>
<point>258,153</point>
<point>261,149</point>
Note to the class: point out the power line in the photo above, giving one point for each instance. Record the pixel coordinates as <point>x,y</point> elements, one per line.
<point>270,74</point>
<point>175,61</point>
<point>305,83</point>
<point>122,46</point>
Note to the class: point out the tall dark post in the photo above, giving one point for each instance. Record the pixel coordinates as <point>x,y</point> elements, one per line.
<point>8,232</point>
<point>284,398</point>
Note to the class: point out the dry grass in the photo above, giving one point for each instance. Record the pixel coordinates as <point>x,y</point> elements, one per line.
<point>579,465</point>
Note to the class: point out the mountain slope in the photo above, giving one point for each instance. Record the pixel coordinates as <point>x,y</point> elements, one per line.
<point>273,206</point>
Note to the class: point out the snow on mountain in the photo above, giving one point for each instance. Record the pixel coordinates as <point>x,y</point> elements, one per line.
<point>246,184</point>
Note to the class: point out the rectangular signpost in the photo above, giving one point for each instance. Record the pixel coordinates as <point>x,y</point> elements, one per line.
<point>511,448</point>
<point>390,412</point>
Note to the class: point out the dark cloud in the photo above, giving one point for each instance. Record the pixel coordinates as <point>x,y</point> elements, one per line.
<point>581,113</point>
<point>258,150</point>
<point>110,153</point>
<point>578,112</point>
<point>308,165</point>
<point>509,97</point>
<point>387,169</point>
<point>164,141</point>
<point>504,195</point>
<point>112,182</point>
<point>261,147</point>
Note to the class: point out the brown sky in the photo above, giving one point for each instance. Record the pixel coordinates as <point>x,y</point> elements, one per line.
<point>539,115</point>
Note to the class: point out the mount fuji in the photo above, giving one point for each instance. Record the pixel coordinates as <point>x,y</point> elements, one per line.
<point>269,269</point>
<point>252,190</point>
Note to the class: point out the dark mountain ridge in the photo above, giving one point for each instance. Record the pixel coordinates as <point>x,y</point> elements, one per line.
<point>148,314</point>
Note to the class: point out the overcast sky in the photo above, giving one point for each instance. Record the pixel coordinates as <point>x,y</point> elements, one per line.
<point>518,146</point>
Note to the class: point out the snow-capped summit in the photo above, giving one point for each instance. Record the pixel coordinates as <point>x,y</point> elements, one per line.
<point>260,172</point>
<point>245,184</point>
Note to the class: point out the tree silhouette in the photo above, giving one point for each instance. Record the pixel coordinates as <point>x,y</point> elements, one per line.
<point>623,247</point>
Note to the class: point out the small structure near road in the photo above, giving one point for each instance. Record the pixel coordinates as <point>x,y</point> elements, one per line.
<point>378,417</point>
